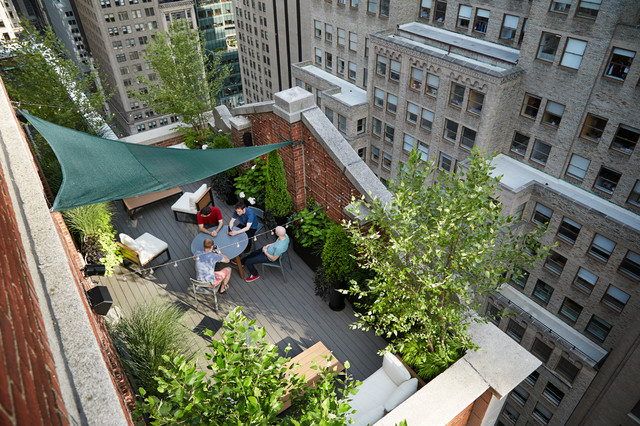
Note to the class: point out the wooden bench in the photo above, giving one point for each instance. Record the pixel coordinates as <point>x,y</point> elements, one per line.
<point>307,359</point>
<point>133,203</point>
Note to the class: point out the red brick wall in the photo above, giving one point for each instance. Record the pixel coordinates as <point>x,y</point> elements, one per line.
<point>462,418</point>
<point>314,172</point>
<point>29,388</point>
<point>171,141</point>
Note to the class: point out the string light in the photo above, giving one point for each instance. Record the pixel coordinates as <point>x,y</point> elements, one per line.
<point>175,264</point>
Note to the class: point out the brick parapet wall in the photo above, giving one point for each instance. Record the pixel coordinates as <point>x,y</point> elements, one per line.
<point>29,389</point>
<point>171,141</point>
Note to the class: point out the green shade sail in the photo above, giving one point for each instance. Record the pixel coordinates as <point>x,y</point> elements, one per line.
<point>95,170</point>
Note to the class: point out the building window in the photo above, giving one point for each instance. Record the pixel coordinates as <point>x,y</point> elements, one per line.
<point>520,277</point>
<point>602,247</point>
<point>607,180</point>
<point>412,113</point>
<point>578,167</point>
<point>543,414</point>
<point>555,262</point>
<point>585,280</point>
<point>328,32</point>
<point>553,394</point>
<point>361,126</point>
<point>416,79</point>
<point>389,133</point>
<point>409,143</point>
<point>593,127</point>
<point>520,143</point>
<point>541,350</point>
<point>510,413</point>
<point>548,46</point>
<point>450,130</point>
<point>340,69</point>
<point>329,113</point>
<point>376,127</point>
<point>598,328</point>
<point>375,154</point>
<point>386,161</point>
<point>341,37</point>
<point>540,152</point>
<point>515,330</point>
<point>445,162</point>
<point>355,3</point>
<point>352,71</point>
<point>517,215</point>
<point>468,139</point>
<point>342,123</point>
<point>615,298</point>
<point>560,6</point>
<point>509,27</point>
<point>372,7</point>
<point>423,151</point>
<point>553,113</point>
<point>394,71</point>
<point>569,230</point>
<point>378,98</point>
<point>457,94</point>
<point>464,17</point>
<point>482,21</point>
<point>366,48</point>
<point>567,370</point>
<point>542,291</point>
<point>381,65</point>
<point>425,9</point>
<point>362,153</point>
<point>532,378</point>
<point>440,11</point>
<point>318,56</point>
<point>353,41</point>
<point>520,395</point>
<point>634,197</point>
<point>328,60</point>
<point>570,310</point>
<point>433,81</point>
<point>626,139</point>
<point>573,52</point>
<point>631,265</point>
<point>318,26</point>
<point>542,215</point>
<point>308,87</point>
<point>476,100</point>
<point>427,120</point>
<point>392,103</point>
<point>588,8</point>
<point>619,63</point>
<point>493,314</point>
<point>531,106</point>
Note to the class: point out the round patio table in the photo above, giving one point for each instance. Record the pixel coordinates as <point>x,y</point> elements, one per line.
<point>230,246</point>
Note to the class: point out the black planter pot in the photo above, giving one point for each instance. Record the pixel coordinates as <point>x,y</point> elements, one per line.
<point>280,220</point>
<point>308,255</point>
<point>230,198</point>
<point>336,300</point>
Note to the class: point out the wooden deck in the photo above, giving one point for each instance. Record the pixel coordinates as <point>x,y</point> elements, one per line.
<point>289,311</point>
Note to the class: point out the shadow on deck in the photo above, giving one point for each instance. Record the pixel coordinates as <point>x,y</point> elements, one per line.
<point>289,311</point>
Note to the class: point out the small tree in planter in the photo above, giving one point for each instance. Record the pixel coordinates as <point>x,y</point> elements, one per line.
<point>338,263</point>
<point>437,250</point>
<point>250,183</point>
<point>309,229</point>
<point>277,198</point>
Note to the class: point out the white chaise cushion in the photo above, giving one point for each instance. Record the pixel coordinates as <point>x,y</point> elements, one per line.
<point>150,247</point>
<point>402,392</point>
<point>196,195</point>
<point>374,391</point>
<point>129,242</point>
<point>184,204</point>
<point>368,417</point>
<point>394,369</point>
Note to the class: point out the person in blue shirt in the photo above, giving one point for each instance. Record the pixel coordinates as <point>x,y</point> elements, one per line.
<point>206,266</point>
<point>247,222</point>
<point>269,253</point>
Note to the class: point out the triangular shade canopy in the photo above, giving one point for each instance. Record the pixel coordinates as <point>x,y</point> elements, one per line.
<point>96,170</point>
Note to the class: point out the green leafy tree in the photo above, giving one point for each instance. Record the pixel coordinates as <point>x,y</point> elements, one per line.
<point>277,197</point>
<point>190,77</point>
<point>437,251</point>
<point>338,255</point>
<point>246,381</point>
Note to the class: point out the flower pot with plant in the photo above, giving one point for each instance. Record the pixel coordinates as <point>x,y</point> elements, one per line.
<point>309,228</point>
<point>222,183</point>
<point>338,262</point>
<point>250,183</point>
<point>277,198</point>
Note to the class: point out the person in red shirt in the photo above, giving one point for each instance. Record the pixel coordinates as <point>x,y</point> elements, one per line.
<point>208,218</point>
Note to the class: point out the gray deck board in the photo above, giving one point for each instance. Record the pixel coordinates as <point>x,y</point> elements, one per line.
<point>289,311</point>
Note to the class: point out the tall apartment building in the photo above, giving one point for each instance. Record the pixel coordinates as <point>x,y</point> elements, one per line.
<point>62,19</point>
<point>217,23</point>
<point>271,38</point>
<point>117,32</point>
<point>552,87</point>
<point>9,21</point>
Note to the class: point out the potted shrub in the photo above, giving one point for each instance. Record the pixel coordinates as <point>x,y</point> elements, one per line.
<point>339,264</point>
<point>250,183</point>
<point>309,228</point>
<point>277,199</point>
<point>222,183</point>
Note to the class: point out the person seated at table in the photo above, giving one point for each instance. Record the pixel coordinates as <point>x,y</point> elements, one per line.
<point>247,222</point>
<point>208,218</point>
<point>269,253</point>
<point>206,266</point>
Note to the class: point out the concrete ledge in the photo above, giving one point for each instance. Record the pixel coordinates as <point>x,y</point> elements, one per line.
<point>221,118</point>
<point>240,122</point>
<point>291,102</point>
<point>254,108</point>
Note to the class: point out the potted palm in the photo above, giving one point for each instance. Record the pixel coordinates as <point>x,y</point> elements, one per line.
<point>338,263</point>
<point>277,199</point>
